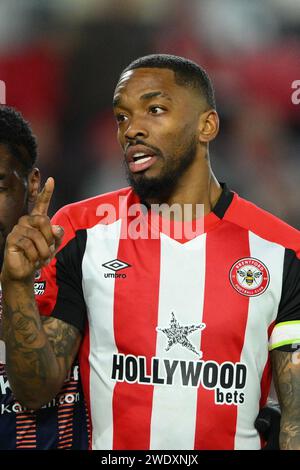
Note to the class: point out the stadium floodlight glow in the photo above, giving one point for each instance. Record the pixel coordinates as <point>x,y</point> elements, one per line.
<point>2,92</point>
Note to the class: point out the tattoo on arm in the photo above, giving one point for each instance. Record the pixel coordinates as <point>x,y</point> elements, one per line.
<point>64,339</point>
<point>29,358</point>
<point>39,351</point>
<point>286,372</point>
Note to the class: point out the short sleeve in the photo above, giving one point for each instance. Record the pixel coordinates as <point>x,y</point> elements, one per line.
<point>58,286</point>
<point>286,332</point>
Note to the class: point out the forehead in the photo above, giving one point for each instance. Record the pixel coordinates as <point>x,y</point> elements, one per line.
<point>7,162</point>
<point>137,82</point>
<point>10,167</point>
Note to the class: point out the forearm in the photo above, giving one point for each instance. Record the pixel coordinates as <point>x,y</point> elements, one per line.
<point>32,367</point>
<point>289,438</point>
<point>286,375</point>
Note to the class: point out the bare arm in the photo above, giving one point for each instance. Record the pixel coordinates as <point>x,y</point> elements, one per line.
<point>38,353</point>
<point>286,373</point>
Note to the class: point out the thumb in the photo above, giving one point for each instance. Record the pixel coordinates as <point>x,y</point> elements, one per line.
<point>58,233</point>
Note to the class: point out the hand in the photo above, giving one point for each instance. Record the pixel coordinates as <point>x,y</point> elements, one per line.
<point>33,242</point>
<point>267,424</point>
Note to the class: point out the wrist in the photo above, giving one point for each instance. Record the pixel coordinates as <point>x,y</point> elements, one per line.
<point>6,278</point>
<point>14,286</point>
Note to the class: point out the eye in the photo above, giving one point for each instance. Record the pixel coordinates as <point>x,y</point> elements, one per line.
<point>120,117</point>
<point>156,109</point>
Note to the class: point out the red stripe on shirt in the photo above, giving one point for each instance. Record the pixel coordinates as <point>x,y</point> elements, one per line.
<point>225,315</point>
<point>65,413</point>
<point>25,431</point>
<point>135,333</point>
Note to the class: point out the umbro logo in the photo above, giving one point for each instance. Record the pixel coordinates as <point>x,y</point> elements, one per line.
<point>115,265</point>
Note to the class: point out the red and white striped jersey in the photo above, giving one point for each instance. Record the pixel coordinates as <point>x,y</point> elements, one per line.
<point>176,332</point>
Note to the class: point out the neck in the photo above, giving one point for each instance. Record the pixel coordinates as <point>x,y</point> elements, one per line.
<point>198,186</point>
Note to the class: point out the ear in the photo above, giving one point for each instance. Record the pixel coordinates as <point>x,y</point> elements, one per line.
<point>34,180</point>
<point>208,126</point>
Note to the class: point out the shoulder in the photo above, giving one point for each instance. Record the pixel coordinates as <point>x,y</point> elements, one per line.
<point>89,212</point>
<point>263,224</point>
<point>106,208</point>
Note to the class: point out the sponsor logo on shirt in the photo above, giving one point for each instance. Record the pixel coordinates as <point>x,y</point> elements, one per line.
<point>15,407</point>
<point>249,277</point>
<point>115,265</point>
<point>39,286</point>
<point>69,394</point>
<point>227,379</point>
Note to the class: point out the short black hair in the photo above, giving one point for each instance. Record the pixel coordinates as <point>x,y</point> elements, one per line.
<point>16,134</point>
<point>187,73</point>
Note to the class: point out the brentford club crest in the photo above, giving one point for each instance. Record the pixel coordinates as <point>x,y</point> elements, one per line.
<point>249,277</point>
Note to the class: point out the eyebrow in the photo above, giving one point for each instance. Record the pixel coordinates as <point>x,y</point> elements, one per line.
<point>116,101</point>
<point>153,94</point>
<point>146,96</point>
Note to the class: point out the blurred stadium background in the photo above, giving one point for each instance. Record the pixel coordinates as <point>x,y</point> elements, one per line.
<point>61,60</point>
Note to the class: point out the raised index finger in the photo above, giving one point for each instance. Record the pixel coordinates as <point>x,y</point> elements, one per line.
<point>43,199</point>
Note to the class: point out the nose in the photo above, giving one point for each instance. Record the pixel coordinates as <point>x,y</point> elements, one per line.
<point>135,130</point>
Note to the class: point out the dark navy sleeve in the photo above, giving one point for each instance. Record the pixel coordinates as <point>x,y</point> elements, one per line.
<point>286,333</point>
<point>58,290</point>
<point>289,307</point>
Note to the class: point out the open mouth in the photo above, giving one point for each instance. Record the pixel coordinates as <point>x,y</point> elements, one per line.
<point>140,158</point>
<point>141,161</point>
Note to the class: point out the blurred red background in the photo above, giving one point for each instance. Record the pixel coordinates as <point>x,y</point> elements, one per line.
<point>61,60</point>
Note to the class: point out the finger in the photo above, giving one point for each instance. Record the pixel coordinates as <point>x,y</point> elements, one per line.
<point>27,247</point>
<point>39,222</point>
<point>20,238</point>
<point>43,199</point>
<point>44,250</point>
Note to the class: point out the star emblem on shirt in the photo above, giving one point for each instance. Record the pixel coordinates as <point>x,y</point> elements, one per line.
<point>178,334</point>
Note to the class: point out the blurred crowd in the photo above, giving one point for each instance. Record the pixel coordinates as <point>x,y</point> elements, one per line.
<point>61,60</point>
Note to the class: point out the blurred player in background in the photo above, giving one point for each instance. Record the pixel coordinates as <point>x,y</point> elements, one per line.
<point>177,332</point>
<point>61,423</point>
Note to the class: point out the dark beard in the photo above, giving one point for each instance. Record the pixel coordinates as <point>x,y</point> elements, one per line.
<point>159,189</point>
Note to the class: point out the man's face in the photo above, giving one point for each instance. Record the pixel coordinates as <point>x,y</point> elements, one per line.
<point>13,195</point>
<point>157,129</point>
